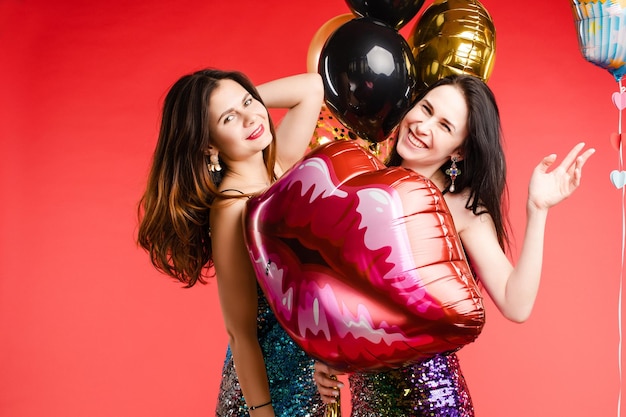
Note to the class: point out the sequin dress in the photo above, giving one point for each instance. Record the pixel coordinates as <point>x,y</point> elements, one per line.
<point>289,370</point>
<point>433,388</point>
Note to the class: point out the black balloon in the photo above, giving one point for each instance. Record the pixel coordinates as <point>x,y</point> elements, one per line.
<point>369,77</point>
<point>395,13</point>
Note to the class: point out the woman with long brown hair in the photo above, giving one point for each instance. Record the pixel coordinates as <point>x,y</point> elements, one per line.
<point>217,146</point>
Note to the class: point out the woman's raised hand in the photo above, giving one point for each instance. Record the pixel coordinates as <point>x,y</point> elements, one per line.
<point>547,189</point>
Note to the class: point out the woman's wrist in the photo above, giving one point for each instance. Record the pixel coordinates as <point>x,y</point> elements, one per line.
<point>256,407</point>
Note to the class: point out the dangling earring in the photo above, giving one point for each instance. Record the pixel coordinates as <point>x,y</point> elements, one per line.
<point>214,163</point>
<point>453,171</point>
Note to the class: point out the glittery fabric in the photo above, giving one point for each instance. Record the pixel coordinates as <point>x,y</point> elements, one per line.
<point>289,369</point>
<point>433,388</point>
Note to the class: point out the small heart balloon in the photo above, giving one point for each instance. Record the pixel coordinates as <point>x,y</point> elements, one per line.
<point>618,178</point>
<point>616,140</point>
<point>361,263</point>
<point>619,99</point>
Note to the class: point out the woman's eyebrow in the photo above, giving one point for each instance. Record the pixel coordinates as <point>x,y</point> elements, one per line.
<point>231,109</point>
<point>444,119</point>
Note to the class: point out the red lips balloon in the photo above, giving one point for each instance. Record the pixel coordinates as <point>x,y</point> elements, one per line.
<point>361,263</point>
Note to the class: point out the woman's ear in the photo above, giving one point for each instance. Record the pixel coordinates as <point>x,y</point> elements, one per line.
<point>458,154</point>
<point>210,150</point>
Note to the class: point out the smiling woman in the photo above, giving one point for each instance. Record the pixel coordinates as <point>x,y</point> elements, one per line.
<point>244,117</point>
<point>457,119</point>
<point>217,144</point>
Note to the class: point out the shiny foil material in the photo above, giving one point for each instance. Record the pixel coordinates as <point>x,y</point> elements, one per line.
<point>601,29</point>
<point>329,128</point>
<point>361,263</point>
<point>395,13</point>
<point>321,36</point>
<point>369,77</point>
<point>453,37</point>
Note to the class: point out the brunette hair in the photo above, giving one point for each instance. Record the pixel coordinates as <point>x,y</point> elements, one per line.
<point>175,208</point>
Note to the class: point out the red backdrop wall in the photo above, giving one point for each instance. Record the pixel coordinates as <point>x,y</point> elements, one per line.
<point>89,328</point>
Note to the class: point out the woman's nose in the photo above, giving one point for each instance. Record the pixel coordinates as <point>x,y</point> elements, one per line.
<point>425,124</point>
<point>249,118</point>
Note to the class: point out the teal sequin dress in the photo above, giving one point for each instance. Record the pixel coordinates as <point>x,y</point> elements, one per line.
<point>289,370</point>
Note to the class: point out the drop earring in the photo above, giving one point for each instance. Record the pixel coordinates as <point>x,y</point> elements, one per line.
<point>453,171</point>
<point>214,163</point>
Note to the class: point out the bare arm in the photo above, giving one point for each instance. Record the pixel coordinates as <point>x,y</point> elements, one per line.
<point>302,95</point>
<point>238,298</point>
<point>514,289</point>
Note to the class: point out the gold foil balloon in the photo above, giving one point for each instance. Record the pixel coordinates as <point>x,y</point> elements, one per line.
<point>453,37</point>
<point>320,37</point>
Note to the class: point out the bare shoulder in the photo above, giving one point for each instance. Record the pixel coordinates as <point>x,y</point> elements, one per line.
<point>463,217</point>
<point>226,212</point>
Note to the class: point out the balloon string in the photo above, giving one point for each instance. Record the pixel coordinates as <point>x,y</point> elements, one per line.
<point>619,303</point>
<point>619,124</point>
<point>619,308</point>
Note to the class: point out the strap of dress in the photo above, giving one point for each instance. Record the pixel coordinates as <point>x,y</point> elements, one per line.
<point>232,189</point>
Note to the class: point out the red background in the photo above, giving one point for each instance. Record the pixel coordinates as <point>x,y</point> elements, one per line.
<point>89,328</point>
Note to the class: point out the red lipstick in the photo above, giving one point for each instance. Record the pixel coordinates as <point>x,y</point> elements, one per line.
<point>257,133</point>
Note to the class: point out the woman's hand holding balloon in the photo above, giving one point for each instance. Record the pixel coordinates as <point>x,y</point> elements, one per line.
<point>327,383</point>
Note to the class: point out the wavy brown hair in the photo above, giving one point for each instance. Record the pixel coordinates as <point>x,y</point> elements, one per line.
<point>175,208</point>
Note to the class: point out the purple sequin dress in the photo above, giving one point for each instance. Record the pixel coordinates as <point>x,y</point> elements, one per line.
<point>289,370</point>
<point>433,388</point>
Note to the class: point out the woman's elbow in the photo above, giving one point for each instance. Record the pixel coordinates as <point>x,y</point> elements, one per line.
<point>237,336</point>
<point>315,85</point>
<point>519,315</point>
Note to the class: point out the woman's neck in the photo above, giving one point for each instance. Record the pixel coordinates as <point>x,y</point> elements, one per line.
<point>248,178</point>
<point>433,174</point>
<point>439,179</point>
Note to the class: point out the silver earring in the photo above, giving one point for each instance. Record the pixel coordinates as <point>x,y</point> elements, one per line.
<point>453,171</point>
<point>214,163</point>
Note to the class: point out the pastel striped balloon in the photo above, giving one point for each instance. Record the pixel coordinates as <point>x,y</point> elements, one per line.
<point>601,28</point>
